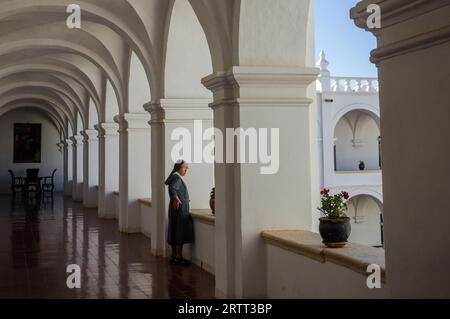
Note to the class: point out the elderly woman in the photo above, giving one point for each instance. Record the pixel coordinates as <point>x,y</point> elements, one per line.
<point>180,230</point>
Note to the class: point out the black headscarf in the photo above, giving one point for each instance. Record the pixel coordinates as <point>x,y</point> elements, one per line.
<point>176,168</point>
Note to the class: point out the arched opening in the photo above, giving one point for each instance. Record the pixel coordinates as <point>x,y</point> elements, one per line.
<point>36,150</point>
<point>186,99</point>
<point>366,215</point>
<point>356,142</point>
<point>134,149</point>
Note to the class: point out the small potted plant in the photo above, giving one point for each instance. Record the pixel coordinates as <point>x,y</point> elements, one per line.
<point>362,165</point>
<point>212,200</point>
<point>334,227</point>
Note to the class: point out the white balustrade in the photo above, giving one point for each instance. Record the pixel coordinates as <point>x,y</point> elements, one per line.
<point>349,84</point>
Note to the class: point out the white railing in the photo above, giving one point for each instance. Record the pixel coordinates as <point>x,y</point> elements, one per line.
<point>349,84</point>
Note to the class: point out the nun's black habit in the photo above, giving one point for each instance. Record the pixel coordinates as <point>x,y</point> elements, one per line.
<point>180,228</point>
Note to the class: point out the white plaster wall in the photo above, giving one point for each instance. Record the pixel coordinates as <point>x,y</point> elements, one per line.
<point>367,132</point>
<point>116,200</point>
<point>139,89</point>
<point>368,178</point>
<point>51,157</point>
<point>184,71</point>
<point>202,251</point>
<point>146,220</point>
<point>293,276</point>
<point>263,39</point>
<point>111,105</point>
<point>368,230</point>
<point>69,168</point>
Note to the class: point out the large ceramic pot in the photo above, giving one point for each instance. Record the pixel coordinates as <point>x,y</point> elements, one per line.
<point>335,231</point>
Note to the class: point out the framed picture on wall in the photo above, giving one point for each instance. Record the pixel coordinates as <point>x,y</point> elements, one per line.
<point>27,143</point>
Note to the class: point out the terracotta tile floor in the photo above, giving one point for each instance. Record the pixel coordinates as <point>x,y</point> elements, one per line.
<point>37,244</point>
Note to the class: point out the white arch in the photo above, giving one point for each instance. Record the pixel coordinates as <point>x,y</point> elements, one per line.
<point>371,110</point>
<point>376,196</point>
<point>138,86</point>
<point>54,118</point>
<point>183,72</point>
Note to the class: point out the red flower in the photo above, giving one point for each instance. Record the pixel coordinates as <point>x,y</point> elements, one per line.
<point>326,190</point>
<point>346,196</point>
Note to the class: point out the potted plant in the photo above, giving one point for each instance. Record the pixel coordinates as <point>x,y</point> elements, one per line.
<point>212,200</point>
<point>362,165</point>
<point>334,227</point>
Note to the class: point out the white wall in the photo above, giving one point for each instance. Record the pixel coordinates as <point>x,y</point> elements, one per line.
<point>293,276</point>
<point>51,157</point>
<point>348,155</point>
<point>367,230</point>
<point>202,251</point>
<point>139,89</point>
<point>146,219</point>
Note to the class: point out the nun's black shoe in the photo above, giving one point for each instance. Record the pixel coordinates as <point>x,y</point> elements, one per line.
<point>173,260</point>
<point>183,262</point>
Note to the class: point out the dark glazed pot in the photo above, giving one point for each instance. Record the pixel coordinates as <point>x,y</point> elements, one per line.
<point>212,205</point>
<point>334,231</point>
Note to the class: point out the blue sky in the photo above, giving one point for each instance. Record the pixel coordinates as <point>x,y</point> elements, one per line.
<point>346,46</point>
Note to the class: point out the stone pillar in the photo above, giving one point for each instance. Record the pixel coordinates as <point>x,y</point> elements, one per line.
<point>90,168</point>
<point>108,138</point>
<point>77,175</point>
<point>413,62</point>
<point>134,168</point>
<point>68,167</point>
<point>248,202</point>
<point>159,222</point>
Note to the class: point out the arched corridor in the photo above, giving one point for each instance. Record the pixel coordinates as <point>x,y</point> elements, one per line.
<point>111,93</point>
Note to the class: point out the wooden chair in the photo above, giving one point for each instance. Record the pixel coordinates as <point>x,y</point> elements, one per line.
<point>48,186</point>
<point>17,183</point>
<point>32,182</point>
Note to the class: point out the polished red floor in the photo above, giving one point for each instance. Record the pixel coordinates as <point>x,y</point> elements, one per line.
<point>38,242</point>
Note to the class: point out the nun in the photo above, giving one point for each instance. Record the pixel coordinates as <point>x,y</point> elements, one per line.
<point>180,228</point>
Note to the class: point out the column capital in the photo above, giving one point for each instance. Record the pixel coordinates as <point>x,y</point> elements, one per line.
<point>68,142</point>
<point>179,110</point>
<point>403,25</point>
<point>77,139</point>
<point>89,135</point>
<point>132,121</point>
<point>157,113</point>
<point>262,86</point>
<point>61,145</point>
<point>107,129</point>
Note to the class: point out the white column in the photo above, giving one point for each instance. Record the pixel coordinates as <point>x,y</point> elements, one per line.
<point>90,168</point>
<point>413,63</point>
<point>248,202</point>
<point>158,165</point>
<point>77,175</point>
<point>134,168</point>
<point>108,138</point>
<point>68,169</point>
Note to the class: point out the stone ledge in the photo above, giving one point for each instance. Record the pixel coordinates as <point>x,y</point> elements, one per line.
<point>367,171</point>
<point>354,256</point>
<point>203,216</point>
<point>146,201</point>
